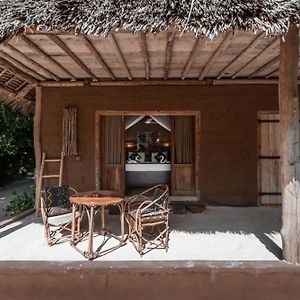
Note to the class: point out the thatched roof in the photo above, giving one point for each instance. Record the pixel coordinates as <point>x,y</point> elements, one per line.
<point>98,17</point>
<point>205,18</point>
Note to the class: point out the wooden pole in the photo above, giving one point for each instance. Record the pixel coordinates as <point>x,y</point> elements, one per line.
<point>37,143</point>
<point>289,133</point>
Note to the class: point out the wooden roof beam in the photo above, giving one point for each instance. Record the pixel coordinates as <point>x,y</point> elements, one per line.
<point>38,50</point>
<point>8,92</point>
<point>143,45</point>
<point>21,66</point>
<point>97,56</point>
<point>222,47</point>
<point>37,65</point>
<point>9,81</point>
<point>265,66</point>
<point>169,51</point>
<point>114,45</point>
<point>251,46</point>
<point>24,92</point>
<point>56,40</point>
<point>265,50</point>
<point>22,85</point>
<point>198,43</point>
<point>7,65</point>
<point>273,73</point>
<point>3,72</point>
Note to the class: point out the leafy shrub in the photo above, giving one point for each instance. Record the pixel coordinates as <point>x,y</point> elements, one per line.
<point>16,144</point>
<point>20,203</point>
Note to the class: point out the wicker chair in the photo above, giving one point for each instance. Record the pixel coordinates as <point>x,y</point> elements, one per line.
<point>56,213</point>
<point>147,215</point>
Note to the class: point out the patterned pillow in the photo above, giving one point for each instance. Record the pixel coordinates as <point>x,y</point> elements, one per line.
<point>161,157</point>
<point>134,156</point>
<point>57,200</point>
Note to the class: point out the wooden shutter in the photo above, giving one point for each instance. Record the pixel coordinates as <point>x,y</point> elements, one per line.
<point>112,158</point>
<point>269,159</point>
<point>183,156</point>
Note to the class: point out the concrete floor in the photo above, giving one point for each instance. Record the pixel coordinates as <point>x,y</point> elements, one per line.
<point>219,233</point>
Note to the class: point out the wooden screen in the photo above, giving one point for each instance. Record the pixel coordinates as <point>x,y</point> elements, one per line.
<point>183,160</point>
<point>112,140</point>
<point>269,159</point>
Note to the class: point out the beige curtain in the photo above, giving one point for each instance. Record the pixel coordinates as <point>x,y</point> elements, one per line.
<point>112,139</point>
<point>184,139</point>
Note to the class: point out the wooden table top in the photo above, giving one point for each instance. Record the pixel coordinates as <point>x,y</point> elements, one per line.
<point>97,198</point>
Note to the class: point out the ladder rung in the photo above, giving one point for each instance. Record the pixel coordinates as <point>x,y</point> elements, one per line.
<point>50,176</point>
<point>53,160</point>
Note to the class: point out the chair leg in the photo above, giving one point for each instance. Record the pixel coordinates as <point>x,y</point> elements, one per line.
<point>140,241</point>
<point>167,240</point>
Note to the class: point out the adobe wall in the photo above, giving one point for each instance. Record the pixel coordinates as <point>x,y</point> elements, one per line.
<point>228,154</point>
<point>150,280</point>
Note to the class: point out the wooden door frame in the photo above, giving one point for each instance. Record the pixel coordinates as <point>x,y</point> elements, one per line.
<point>195,114</point>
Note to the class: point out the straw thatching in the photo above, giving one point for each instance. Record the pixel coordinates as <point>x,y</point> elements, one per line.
<point>98,17</point>
<point>205,18</point>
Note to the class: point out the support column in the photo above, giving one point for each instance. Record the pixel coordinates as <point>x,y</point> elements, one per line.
<point>37,143</point>
<point>289,148</point>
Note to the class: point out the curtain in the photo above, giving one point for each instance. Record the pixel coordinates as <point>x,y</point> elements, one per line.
<point>112,139</point>
<point>163,121</point>
<point>132,120</point>
<point>184,139</point>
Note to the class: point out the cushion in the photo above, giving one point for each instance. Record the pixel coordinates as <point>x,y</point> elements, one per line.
<point>61,219</point>
<point>57,200</point>
<point>159,157</point>
<point>149,215</point>
<point>136,157</point>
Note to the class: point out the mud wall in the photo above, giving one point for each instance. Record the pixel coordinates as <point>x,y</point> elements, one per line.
<point>149,280</point>
<point>228,150</point>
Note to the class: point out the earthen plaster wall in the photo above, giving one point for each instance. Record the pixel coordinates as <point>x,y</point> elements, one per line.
<point>228,149</point>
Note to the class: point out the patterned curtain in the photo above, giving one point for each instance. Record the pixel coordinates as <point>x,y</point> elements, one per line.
<point>184,139</point>
<point>112,139</point>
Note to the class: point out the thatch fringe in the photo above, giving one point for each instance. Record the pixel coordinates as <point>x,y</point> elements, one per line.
<point>98,17</point>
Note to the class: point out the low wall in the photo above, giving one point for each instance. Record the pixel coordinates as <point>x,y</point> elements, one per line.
<point>186,280</point>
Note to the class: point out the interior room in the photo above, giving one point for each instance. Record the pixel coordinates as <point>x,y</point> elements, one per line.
<point>148,151</point>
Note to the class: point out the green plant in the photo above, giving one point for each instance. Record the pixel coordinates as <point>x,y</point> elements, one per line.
<point>16,144</point>
<point>20,203</point>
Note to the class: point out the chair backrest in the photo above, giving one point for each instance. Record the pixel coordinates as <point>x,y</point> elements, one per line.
<point>56,200</point>
<point>161,194</point>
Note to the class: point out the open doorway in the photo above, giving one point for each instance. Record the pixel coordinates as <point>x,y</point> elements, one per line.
<point>147,152</point>
<point>135,151</point>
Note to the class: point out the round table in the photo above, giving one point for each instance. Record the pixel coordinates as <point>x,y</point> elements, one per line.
<point>91,202</point>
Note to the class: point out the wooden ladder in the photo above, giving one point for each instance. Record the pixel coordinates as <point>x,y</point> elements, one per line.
<point>42,176</point>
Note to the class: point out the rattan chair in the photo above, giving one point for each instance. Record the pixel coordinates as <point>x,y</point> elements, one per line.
<point>147,215</point>
<point>56,211</point>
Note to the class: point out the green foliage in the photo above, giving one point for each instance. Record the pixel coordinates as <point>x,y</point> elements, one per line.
<point>16,144</point>
<point>20,203</point>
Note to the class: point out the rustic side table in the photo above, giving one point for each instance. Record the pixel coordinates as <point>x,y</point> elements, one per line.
<point>91,203</point>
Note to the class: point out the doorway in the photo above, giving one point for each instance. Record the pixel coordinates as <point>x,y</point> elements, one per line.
<point>136,150</point>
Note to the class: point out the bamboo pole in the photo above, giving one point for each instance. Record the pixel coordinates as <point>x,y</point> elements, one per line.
<point>289,148</point>
<point>37,143</point>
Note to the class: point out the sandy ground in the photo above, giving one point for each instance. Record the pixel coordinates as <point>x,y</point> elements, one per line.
<point>6,194</point>
<point>219,233</point>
